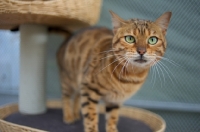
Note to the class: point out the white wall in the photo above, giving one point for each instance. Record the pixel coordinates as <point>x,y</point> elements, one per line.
<point>9,62</point>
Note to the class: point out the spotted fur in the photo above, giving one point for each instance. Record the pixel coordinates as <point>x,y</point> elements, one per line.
<point>99,64</point>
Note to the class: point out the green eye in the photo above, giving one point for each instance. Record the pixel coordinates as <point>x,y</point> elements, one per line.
<point>153,40</point>
<point>130,39</point>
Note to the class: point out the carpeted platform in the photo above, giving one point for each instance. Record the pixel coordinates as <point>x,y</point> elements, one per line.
<point>52,121</point>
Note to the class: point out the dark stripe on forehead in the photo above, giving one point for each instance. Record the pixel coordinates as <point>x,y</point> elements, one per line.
<point>141,26</point>
<point>142,30</point>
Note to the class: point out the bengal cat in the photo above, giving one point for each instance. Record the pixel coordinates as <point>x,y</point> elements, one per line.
<point>111,65</point>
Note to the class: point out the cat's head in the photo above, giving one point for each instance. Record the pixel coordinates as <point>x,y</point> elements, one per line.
<point>140,42</point>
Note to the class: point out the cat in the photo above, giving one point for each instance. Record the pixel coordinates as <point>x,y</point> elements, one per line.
<point>110,65</point>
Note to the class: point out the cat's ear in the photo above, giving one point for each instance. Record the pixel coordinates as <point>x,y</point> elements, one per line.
<point>163,21</point>
<point>116,21</point>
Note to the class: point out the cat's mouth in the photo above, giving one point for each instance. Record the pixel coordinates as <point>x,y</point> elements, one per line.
<point>140,61</point>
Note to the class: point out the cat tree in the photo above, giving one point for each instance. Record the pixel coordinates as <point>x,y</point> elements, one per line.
<point>33,17</point>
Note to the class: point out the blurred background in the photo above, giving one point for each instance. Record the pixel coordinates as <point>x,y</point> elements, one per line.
<point>172,89</point>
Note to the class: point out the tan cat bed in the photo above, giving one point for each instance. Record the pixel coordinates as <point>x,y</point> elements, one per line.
<point>131,119</point>
<point>70,13</point>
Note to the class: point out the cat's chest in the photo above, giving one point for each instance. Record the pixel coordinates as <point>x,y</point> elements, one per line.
<point>115,88</point>
<point>121,92</point>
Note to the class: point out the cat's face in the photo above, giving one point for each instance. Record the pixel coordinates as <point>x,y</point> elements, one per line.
<point>139,42</point>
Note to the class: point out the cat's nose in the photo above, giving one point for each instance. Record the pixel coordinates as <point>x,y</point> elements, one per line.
<point>141,51</point>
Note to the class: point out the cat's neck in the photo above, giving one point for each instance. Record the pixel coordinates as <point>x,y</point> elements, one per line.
<point>122,70</point>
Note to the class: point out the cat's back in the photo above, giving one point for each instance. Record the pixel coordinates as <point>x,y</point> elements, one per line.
<point>89,36</point>
<point>77,51</point>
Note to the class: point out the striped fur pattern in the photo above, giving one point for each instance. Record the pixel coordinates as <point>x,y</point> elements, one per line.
<point>99,64</point>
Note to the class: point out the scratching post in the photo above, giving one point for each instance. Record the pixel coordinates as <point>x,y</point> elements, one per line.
<point>32,69</point>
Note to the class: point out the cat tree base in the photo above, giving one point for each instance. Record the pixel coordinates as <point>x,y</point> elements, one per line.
<point>128,116</point>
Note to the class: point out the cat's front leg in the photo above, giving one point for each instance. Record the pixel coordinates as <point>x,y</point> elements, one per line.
<point>89,102</point>
<point>112,116</point>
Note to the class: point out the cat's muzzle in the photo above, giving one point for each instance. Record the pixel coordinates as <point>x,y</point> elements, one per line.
<point>140,60</point>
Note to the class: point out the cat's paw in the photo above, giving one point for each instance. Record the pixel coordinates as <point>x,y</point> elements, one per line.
<point>69,119</point>
<point>112,130</point>
<point>72,118</point>
<point>77,116</point>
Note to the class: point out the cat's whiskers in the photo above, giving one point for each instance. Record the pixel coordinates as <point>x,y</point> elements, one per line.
<point>111,56</point>
<point>159,65</point>
<point>154,72</point>
<point>156,67</point>
<point>161,72</point>
<point>130,59</point>
<point>119,59</point>
<point>153,62</point>
<point>127,62</point>
<point>109,65</point>
<point>107,51</point>
<point>117,66</point>
<point>168,60</point>
<point>167,70</point>
<point>122,70</point>
<point>105,57</point>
